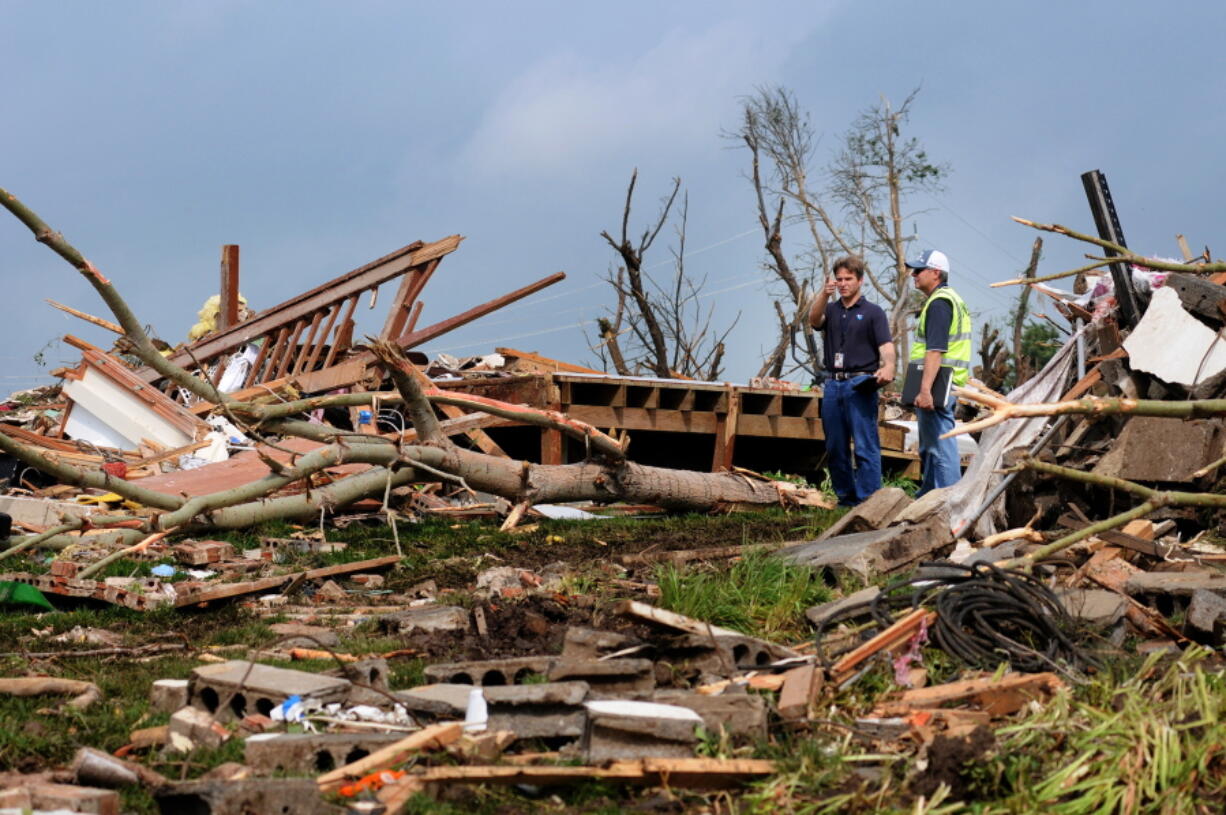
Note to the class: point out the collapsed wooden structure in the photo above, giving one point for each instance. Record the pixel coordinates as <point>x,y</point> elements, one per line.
<point>305,346</point>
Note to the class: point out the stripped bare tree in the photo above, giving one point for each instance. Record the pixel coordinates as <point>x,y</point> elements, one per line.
<point>659,328</point>
<point>876,171</point>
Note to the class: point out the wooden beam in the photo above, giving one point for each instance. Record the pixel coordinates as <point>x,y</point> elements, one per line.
<point>227,316</point>
<point>423,335</point>
<point>89,318</point>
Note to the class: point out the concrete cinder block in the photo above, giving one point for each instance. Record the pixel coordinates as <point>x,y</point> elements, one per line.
<point>549,710</point>
<point>167,695</point>
<point>738,714</point>
<point>427,619</point>
<point>286,795</point>
<point>617,729</point>
<point>488,673</point>
<point>198,727</point>
<point>607,676</point>
<point>73,799</point>
<point>438,699</point>
<point>312,753</point>
<point>235,688</point>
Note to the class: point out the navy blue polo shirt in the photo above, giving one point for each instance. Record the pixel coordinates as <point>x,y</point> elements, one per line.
<point>858,332</point>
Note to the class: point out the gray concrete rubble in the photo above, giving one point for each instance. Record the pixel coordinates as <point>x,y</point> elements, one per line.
<point>1152,448</point>
<point>1095,606</point>
<point>1207,613</point>
<point>233,689</point>
<point>311,753</point>
<point>590,643</point>
<point>877,512</point>
<point>300,635</point>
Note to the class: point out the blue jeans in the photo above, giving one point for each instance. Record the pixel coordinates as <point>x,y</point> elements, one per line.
<point>939,461</point>
<point>850,416</point>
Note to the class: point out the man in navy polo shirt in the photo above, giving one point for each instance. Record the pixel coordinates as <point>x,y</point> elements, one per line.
<point>858,354</point>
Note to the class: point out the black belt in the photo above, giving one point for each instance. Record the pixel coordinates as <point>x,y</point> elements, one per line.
<point>839,376</point>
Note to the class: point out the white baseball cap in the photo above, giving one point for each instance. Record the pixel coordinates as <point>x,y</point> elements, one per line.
<point>932,259</point>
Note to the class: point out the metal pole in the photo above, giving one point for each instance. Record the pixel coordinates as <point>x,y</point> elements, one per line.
<point>1108,223</point>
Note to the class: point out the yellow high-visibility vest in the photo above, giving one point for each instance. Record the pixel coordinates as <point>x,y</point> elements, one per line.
<point>958,356</point>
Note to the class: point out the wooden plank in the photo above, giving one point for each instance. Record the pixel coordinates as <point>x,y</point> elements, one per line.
<point>89,318</point>
<point>308,343</point>
<point>333,312</point>
<point>291,346</point>
<point>277,348</point>
<point>344,375</point>
<point>246,394</point>
<point>535,362</point>
<point>671,772</point>
<point>998,696</point>
<point>423,335</point>
<point>429,738</point>
<point>337,346</point>
<point>892,637</point>
<point>226,591</point>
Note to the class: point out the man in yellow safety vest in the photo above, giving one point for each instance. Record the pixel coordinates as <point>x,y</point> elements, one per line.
<point>942,339</point>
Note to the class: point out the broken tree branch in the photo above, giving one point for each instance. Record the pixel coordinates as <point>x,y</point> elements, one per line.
<point>1002,409</point>
<point>1126,255</point>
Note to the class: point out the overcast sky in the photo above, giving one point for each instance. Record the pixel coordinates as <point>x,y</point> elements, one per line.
<point>319,136</point>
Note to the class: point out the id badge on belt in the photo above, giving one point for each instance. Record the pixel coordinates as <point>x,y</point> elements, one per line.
<point>838,360</point>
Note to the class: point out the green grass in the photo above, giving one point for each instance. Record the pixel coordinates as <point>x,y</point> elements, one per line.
<point>758,595</point>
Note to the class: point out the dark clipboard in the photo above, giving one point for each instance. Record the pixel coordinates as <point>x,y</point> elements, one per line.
<point>940,385</point>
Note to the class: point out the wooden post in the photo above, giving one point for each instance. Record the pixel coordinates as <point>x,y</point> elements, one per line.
<point>228,318</point>
<point>553,445</point>
<point>725,432</point>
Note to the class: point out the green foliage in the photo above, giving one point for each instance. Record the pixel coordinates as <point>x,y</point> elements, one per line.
<point>1040,341</point>
<point>908,485</point>
<point>759,594</point>
<point>1149,744</point>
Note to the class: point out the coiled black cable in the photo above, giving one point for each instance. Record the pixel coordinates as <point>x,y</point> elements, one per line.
<point>985,615</point>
